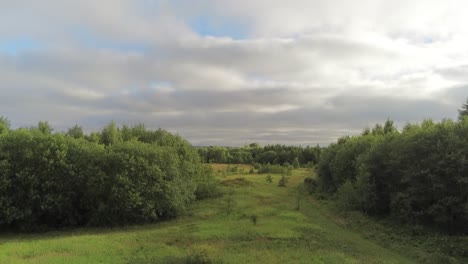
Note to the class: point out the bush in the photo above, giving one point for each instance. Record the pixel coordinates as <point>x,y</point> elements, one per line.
<point>55,180</point>
<point>310,184</point>
<point>253,219</point>
<point>283,181</point>
<point>419,176</point>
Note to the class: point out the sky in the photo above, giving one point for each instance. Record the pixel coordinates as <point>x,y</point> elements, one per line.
<point>232,72</point>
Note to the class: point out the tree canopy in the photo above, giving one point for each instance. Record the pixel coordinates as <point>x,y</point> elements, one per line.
<point>67,179</point>
<point>418,175</point>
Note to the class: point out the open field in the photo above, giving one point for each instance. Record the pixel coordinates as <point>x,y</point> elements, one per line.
<point>220,230</point>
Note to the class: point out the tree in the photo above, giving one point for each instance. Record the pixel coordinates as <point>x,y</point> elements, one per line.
<point>283,181</point>
<point>269,178</point>
<point>44,127</point>
<point>463,111</point>
<point>4,124</point>
<point>378,130</point>
<point>55,180</point>
<point>110,134</point>
<point>366,131</point>
<point>296,163</point>
<point>389,127</point>
<point>75,132</point>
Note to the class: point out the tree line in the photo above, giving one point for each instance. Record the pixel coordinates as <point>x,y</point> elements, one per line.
<point>418,175</point>
<point>120,175</point>
<point>254,153</point>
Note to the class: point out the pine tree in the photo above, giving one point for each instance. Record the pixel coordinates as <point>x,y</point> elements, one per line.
<point>463,111</point>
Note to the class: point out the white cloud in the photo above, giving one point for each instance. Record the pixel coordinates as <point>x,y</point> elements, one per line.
<point>303,72</point>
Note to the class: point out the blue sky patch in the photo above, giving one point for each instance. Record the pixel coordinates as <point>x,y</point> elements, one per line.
<point>16,46</point>
<point>218,27</point>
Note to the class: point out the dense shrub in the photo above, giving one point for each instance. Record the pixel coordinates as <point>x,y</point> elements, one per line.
<point>418,175</point>
<point>59,180</point>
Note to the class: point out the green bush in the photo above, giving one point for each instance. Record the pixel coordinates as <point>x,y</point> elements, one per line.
<point>269,178</point>
<point>418,175</point>
<point>283,181</point>
<point>55,180</point>
<point>253,219</point>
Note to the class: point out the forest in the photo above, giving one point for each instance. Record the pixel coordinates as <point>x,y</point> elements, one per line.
<point>254,153</point>
<point>112,177</point>
<point>418,175</point>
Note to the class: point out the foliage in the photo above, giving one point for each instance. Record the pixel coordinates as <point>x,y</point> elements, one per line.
<point>75,132</point>
<point>269,178</point>
<point>60,180</point>
<point>463,112</point>
<point>283,181</point>
<point>253,219</point>
<point>296,163</point>
<point>310,184</point>
<point>44,127</point>
<point>418,175</point>
<point>4,124</point>
<point>253,153</point>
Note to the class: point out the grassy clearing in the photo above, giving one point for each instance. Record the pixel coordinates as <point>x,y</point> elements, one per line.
<point>221,230</point>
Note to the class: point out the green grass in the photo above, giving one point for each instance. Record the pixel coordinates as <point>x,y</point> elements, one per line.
<point>210,231</point>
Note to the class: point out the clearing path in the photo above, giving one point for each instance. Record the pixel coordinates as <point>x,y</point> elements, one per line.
<point>254,222</point>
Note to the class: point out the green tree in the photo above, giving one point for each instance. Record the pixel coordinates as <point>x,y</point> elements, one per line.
<point>75,132</point>
<point>4,124</point>
<point>283,181</point>
<point>110,134</point>
<point>269,178</point>
<point>463,111</point>
<point>44,127</point>
<point>378,130</point>
<point>389,127</point>
<point>366,131</point>
<point>418,175</point>
<point>56,180</point>
<point>93,137</point>
<point>296,163</point>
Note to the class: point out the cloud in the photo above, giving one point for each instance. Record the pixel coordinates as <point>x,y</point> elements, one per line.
<point>232,72</point>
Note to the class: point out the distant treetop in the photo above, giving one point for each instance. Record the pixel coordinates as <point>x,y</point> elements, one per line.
<point>463,111</point>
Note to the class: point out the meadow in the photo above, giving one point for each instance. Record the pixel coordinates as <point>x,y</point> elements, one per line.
<point>253,222</point>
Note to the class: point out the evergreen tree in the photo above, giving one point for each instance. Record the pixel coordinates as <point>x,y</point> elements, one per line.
<point>296,163</point>
<point>463,111</point>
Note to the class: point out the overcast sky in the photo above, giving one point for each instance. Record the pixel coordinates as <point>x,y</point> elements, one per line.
<point>232,72</point>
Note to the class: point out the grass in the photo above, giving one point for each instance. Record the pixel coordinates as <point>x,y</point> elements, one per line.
<point>212,232</point>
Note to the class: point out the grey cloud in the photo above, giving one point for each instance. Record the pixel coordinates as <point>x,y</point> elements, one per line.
<point>458,73</point>
<point>306,73</point>
<point>205,123</point>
